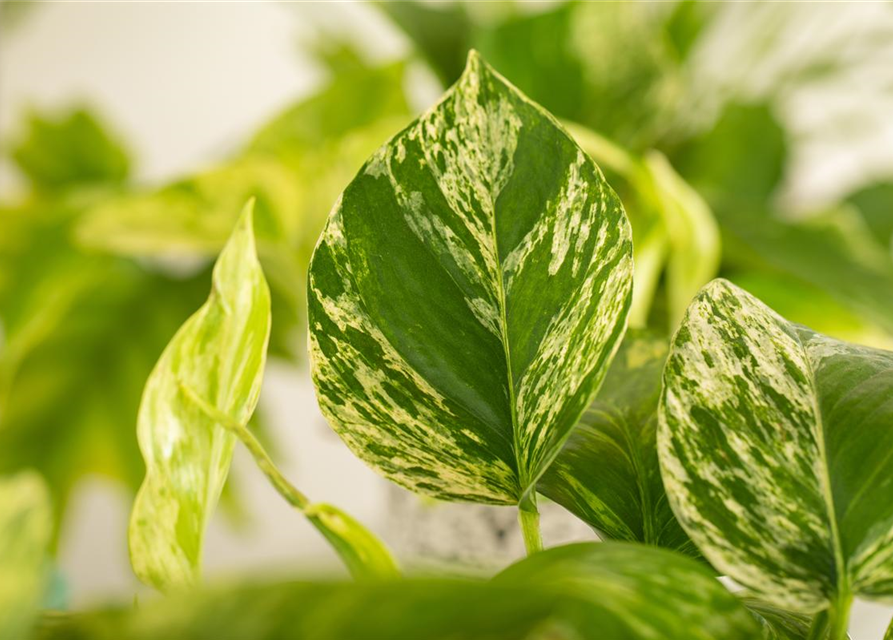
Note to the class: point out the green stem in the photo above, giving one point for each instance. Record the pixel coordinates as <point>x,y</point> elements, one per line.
<point>529,518</point>
<point>819,628</point>
<point>840,615</point>
<point>286,489</point>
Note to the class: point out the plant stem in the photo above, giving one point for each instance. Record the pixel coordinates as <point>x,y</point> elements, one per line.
<point>819,628</point>
<point>529,518</point>
<point>286,489</point>
<point>840,615</point>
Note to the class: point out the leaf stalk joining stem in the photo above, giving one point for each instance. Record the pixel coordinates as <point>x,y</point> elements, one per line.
<point>529,517</point>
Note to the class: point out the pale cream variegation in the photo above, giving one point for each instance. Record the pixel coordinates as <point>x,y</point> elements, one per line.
<point>467,295</point>
<point>776,449</point>
<point>215,360</point>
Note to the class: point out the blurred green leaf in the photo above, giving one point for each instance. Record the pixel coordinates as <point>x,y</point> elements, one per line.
<point>647,592</point>
<point>607,474</point>
<point>812,306</point>
<point>439,31</point>
<point>875,202</point>
<point>592,591</point>
<point>779,624</point>
<point>72,149</point>
<point>81,333</point>
<point>363,553</point>
<point>294,168</point>
<point>738,164</point>
<point>833,252</point>
<point>216,359</point>
<point>26,525</point>
<point>608,65</point>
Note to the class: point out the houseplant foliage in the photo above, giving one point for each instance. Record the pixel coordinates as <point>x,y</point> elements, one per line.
<point>466,301</point>
<point>466,297</point>
<point>774,445</point>
<point>195,407</point>
<point>586,590</point>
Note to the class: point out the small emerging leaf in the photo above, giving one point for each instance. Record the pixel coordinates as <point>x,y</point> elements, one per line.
<point>467,295</point>
<point>25,530</point>
<point>216,359</point>
<point>776,449</point>
<point>364,554</point>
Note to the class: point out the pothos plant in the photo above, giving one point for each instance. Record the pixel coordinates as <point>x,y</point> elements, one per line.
<point>468,302</point>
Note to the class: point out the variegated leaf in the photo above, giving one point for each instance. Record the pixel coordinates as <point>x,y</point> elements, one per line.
<point>776,449</point>
<point>215,360</point>
<point>607,474</point>
<point>467,295</point>
<point>778,624</point>
<point>649,592</point>
<point>26,525</point>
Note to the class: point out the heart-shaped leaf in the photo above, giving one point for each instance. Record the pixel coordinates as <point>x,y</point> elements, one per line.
<point>589,591</point>
<point>776,449</point>
<point>467,295</point>
<point>607,474</point>
<point>26,526</point>
<point>216,359</point>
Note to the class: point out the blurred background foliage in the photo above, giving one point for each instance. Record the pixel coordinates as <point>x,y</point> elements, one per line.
<point>97,272</point>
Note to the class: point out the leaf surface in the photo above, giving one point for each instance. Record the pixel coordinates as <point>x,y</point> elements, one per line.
<point>607,474</point>
<point>649,592</point>
<point>597,593</point>
<point>467,295</point>
<point>216,359</point>
<point>776,448</point>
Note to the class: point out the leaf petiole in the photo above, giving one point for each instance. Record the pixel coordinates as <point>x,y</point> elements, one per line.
<point>529,517</point>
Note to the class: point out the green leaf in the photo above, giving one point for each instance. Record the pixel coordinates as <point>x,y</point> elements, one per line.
<point>81,334</point>
<point>216,359</point>
<point>467,295</point>
<point>597,591</point>
<point>775,447</point>
<point>875,203</point>
<point>607,474</point>
<point>646,592</point>
<point>69,150</point>
<point>362,552</point>
<point>26,525</point>
<point>779,624</point>
<point>889,634</point>
<point>834,252</point>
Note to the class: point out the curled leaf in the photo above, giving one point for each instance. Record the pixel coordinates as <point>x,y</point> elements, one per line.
<point>215,360</point>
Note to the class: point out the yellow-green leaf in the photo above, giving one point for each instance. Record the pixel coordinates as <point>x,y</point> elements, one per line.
<point>216,358</point>
<point>25,531</point>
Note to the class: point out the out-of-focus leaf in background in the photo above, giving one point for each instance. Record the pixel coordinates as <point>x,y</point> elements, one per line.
<point>70,150</point>
<point>80,330</point>
<point>586,591</point>
<point>25,529</point>
<point>295,166</point>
